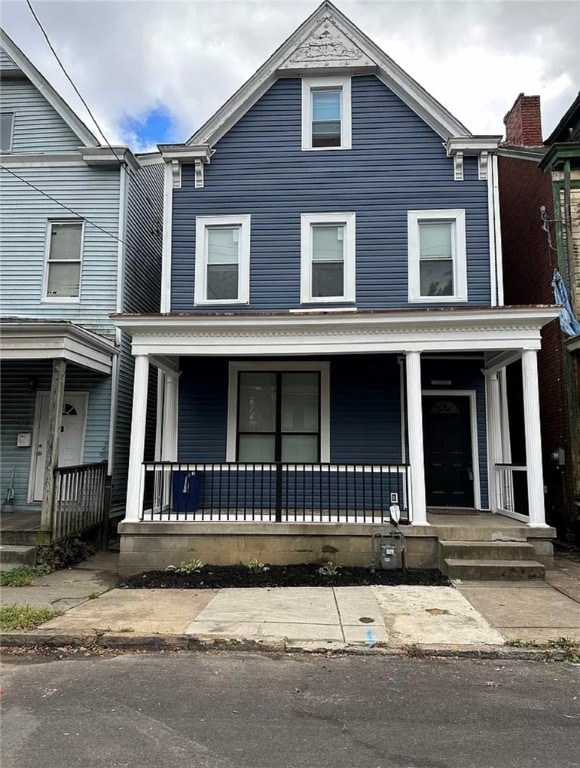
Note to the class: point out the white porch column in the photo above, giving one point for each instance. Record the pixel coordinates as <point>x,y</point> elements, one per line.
<point>533,439</point>
<point>169,440</point>
<point>415,429</point>
<point>135,475</point>
<point>494,436</point>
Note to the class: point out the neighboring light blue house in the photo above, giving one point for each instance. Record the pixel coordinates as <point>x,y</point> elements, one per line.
<point>332,332</point>
<point>81,238</point>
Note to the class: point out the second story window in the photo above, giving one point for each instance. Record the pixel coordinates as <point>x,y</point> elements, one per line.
<point>327,257</point>
<point>63,264</point>
<point>326,113</point>
<point>222,260</point>
<point>6,131</point>
<point>437,256</point>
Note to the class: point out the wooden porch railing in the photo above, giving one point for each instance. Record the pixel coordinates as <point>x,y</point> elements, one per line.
<point>80,499</point>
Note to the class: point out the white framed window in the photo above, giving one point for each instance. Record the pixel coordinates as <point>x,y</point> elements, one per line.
<point>326,113</point>
<point>64,253</point>
<point>6,131</point>
<point>222,259</point>
<point>328,259</point>
<point>279,411</point>
<point>437,256</point>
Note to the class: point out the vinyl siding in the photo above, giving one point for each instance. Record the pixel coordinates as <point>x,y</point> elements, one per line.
<point>92,193</point>
<point>397,163</point>
<point>17,404</point>
<point>37,125</point>
<point>5,61</point>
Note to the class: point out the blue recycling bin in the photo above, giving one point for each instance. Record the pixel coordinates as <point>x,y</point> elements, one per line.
<point>187,490</point>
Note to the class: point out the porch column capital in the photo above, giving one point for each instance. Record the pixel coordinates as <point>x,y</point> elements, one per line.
<point>535,476</point>
<point>138,421</point>
<point>415,427</point>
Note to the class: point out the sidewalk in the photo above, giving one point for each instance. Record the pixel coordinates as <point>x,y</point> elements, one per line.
<point>471,616</point>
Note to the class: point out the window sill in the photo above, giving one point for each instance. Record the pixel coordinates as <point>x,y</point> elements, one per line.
<point>222,303</point>
<point>325,149</point>
<point>61,300</point>
<point>437,299</point>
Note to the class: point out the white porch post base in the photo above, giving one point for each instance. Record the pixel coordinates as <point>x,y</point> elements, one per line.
<point>415,428</point>
<point>135,474</point>
<point>535,475</point>
<point>494,436</point>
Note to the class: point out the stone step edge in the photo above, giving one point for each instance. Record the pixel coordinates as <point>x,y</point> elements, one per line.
<point>454,562</point>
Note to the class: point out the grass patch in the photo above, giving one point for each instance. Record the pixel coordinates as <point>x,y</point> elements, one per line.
<point>569,647</point>
<point>22,575</point>
<point>24,616</point>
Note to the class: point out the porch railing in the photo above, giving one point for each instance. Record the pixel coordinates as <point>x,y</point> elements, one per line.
<point>512,489</point>
<point>80,499</point>
<point>274,492</point>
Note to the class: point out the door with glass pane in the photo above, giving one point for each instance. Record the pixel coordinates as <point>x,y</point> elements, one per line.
<point>278,416</point>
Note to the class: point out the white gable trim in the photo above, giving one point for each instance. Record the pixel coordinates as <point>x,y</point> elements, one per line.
<point>407,89</point>
<point>54,99</point>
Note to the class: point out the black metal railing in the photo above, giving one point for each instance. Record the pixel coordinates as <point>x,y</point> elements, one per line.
<point>511,482</point>
<point>274,492</point>
<point>80,499</point>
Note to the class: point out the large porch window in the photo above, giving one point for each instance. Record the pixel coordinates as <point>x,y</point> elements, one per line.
<point>278,412</point>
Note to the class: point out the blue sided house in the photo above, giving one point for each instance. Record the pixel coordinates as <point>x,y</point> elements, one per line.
<point>81,238</point>
<point>332,332</point>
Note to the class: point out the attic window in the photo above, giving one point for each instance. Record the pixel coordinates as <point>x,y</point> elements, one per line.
<point>6,131</point>
<point>326,113</point>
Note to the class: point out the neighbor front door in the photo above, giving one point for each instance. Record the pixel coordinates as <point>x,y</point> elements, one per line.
<point>71,440</point>
<point>447,444</point>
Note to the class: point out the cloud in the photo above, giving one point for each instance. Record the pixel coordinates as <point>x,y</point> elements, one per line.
<point>131,59</point>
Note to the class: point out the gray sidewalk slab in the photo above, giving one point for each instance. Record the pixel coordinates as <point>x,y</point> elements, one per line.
<point>61,590</point>
<point>433,616</point>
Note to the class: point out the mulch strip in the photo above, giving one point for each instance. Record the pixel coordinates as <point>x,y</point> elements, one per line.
<point>228,576</point>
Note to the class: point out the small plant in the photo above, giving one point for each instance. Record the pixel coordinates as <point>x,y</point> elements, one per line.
<point>187,566</point>
<point>24,616</point>
<point>65,553</point>
<point>414,651</point>
<point>329,569</point>
<point>93,595</point>
<point>22,575</point>
<point>126,629</point>
<point>255,566</point>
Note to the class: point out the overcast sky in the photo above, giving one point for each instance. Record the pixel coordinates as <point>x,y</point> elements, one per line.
<point>155,71</point>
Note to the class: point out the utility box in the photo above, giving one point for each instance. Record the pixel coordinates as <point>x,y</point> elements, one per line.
<point>187,491</point>
<point>389,553</point>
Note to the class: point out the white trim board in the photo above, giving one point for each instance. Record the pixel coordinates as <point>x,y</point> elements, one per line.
<point>475,453</point>
<point>202,224</point>
<point>310,84</point>
<point>407,89</point>
<point>307,221</point>
<point>322,367</point>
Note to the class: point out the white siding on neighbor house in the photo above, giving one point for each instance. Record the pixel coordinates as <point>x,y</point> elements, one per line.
<point>24,214</point>
<point>5,61</point>
<point>20,382</point>
<point>37,125</point>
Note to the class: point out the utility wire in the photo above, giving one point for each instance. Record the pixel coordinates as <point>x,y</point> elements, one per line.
<point>62,205</point>
<point>121,160</point>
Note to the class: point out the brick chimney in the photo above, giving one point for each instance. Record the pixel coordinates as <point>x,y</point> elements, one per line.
<point>523,123</point>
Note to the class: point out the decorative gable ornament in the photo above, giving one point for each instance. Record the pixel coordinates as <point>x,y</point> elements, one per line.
<point>327,46</point>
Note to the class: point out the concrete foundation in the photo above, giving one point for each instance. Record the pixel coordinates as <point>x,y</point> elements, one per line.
<point>148,546</point>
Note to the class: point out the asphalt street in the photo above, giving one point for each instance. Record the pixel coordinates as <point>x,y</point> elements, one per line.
<point>230,710</point>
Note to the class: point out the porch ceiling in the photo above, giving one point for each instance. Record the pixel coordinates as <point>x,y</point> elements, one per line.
<point>30,339</point>
<point>449,330</point>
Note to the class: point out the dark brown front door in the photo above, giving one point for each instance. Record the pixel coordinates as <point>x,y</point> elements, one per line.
<point>448,459</point>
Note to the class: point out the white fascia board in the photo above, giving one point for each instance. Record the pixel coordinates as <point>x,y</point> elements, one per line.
<point>110,156</point>
<point>472,145</point>
<point>185,153</point>
<point>37,159</point>
<point>521,153</point>
<point>54,99</point>
<point>149,158</point>
<point>402,84</point>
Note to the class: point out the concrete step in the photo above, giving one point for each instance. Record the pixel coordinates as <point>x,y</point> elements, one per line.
<point>486,550</point>
<point>492,570</point>
<point>17,554</point>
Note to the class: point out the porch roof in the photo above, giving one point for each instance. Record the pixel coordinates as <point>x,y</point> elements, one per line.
<point>35,339</point>
<point>337,332</point>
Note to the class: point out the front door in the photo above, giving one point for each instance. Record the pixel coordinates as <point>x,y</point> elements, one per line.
<point>448,455</point>
<point>71,441</point>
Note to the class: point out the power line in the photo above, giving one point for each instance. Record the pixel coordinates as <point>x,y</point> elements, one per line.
<point>122,161</point>
<point>66,207</point>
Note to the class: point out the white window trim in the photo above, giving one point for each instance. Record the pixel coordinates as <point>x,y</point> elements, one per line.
<point>9,112</point>
<point>456,215</point>
<point>312,83</point>
<point>200,290</point>
<point>306,222</point>
<point>62,299</point>
<point>323,368</point>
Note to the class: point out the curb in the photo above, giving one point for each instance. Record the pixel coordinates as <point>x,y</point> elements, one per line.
<point>158,642</point>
